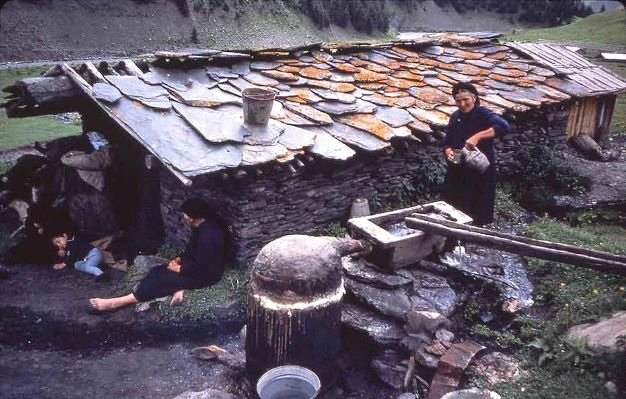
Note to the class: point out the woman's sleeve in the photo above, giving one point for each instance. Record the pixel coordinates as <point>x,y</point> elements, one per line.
<point>498,123</point>
<point>447,141</point>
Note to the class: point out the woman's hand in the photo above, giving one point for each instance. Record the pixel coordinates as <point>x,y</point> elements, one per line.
<point>58,266</point>
<point>174,265</point>
<point>472,142</point>
<point>449,153</point>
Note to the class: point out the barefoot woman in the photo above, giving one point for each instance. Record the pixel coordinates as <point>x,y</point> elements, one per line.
<point>201,265</point>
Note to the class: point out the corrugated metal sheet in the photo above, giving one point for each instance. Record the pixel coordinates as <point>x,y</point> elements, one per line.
<point>332,100</point>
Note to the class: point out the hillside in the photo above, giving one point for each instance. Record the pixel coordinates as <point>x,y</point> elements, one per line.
<point>69,29</point>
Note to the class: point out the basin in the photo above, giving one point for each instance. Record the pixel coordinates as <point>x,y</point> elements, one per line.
<point>394,244</point>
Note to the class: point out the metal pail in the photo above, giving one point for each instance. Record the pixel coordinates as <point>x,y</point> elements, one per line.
<point>288,382</point>
<point>257,105</point>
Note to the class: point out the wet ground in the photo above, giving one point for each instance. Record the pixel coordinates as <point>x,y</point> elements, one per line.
<point>52,347</point>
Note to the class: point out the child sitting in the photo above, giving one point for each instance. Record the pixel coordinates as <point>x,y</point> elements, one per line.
<point>78,252</point>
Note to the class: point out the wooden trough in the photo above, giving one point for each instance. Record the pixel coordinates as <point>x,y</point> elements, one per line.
<point>394,244</point>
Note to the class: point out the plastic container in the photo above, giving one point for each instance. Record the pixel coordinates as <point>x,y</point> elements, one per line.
<point>288,382</point>
<point>475,159</point>
<point>257,105</point>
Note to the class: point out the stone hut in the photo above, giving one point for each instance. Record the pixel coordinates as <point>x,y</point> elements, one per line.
<point>349,120</point>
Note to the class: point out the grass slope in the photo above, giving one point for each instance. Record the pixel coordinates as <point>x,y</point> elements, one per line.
<point>22,131</point>
<point>604,28</point>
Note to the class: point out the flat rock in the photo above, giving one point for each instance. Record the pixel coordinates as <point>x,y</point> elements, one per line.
<point>380,329</point>
<point>394,303</point>
<point>360,270</point>
<point>106,92</point>
<point>356,137</point>
<point>394,117</point>
<point>432,292</point>
<point>601,337</point>
<point>425,324</point>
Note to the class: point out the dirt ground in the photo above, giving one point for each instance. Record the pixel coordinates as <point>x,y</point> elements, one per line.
<point>52,347</point>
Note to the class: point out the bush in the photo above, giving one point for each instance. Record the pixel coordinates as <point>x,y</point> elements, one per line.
<point>542,175</point>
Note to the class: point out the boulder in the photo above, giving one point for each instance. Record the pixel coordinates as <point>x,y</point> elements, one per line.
<point>432,293</point>
<point>601,337</point>
<point>143,263</point>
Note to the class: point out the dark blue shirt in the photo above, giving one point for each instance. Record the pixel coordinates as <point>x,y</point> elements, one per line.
<point>462,126</point>
<point>204,258</point>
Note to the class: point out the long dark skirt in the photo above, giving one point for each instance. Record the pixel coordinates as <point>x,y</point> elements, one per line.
<point>160,282</point>
<point>471,192</point>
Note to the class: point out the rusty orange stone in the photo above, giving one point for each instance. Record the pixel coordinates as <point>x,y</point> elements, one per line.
<point>368,123</point>
<point>367,76</point>
<point>429,95</point>
<point>357,62</point>
<point>501,55</point>
<point>513,73</point>
<point>446,79</point>
<point>502,78</point>
<point>315,73</point>
<point>404,102</point>
<point>346,67</point>
<point>466,55</point>
<point>403,83</point>
<point>408,75</point>
<point>342,87</point>
<point>322,84</point>
<point>468,69</point>
<point>405,52</point>
<point>438,64</point>
<point>391,89</point>
<point>289,69</point>
<point>282,76</point>
<point>371,86</point>
<point>303,95</point>
<point>411,65</point>
<point>289,61</point>
<point>377,68</point>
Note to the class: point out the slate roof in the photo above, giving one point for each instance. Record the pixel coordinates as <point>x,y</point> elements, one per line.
<point>185,107</point>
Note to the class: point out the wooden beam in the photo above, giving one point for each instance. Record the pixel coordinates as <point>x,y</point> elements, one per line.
<point>597,260</point>
<point>130,68</point>
<point>86,89</point>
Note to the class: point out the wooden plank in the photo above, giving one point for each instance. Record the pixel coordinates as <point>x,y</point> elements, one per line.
<point>601,261</point>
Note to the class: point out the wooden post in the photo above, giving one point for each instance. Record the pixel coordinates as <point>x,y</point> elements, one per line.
<point>597,260</point>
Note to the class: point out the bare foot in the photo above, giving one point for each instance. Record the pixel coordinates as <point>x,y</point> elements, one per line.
<point>102,304</point>
<point>58,266</point>
<point>177,298</point>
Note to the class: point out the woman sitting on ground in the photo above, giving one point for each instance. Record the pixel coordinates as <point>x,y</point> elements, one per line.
<point>200,265</point>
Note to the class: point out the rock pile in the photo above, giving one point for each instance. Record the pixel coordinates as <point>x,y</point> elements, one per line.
<point>407,313</point>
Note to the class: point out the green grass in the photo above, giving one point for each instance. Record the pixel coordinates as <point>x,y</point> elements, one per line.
<point>618,123</point>
<point>604,28</point>
<point>17,132</point>
<point>569,295</point>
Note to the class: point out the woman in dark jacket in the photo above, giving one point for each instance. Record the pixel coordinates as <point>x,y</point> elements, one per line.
<point>200,265</point>
<point>472,126</point>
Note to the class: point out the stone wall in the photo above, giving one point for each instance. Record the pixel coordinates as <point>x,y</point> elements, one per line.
<point>260,208</point>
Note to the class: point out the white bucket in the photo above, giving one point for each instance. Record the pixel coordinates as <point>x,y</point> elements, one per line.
<point>472,393</point>
<point>288,382</point>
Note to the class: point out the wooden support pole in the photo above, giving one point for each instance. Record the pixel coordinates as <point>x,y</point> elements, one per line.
<point>87,90</point>
<point>597,260</point>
